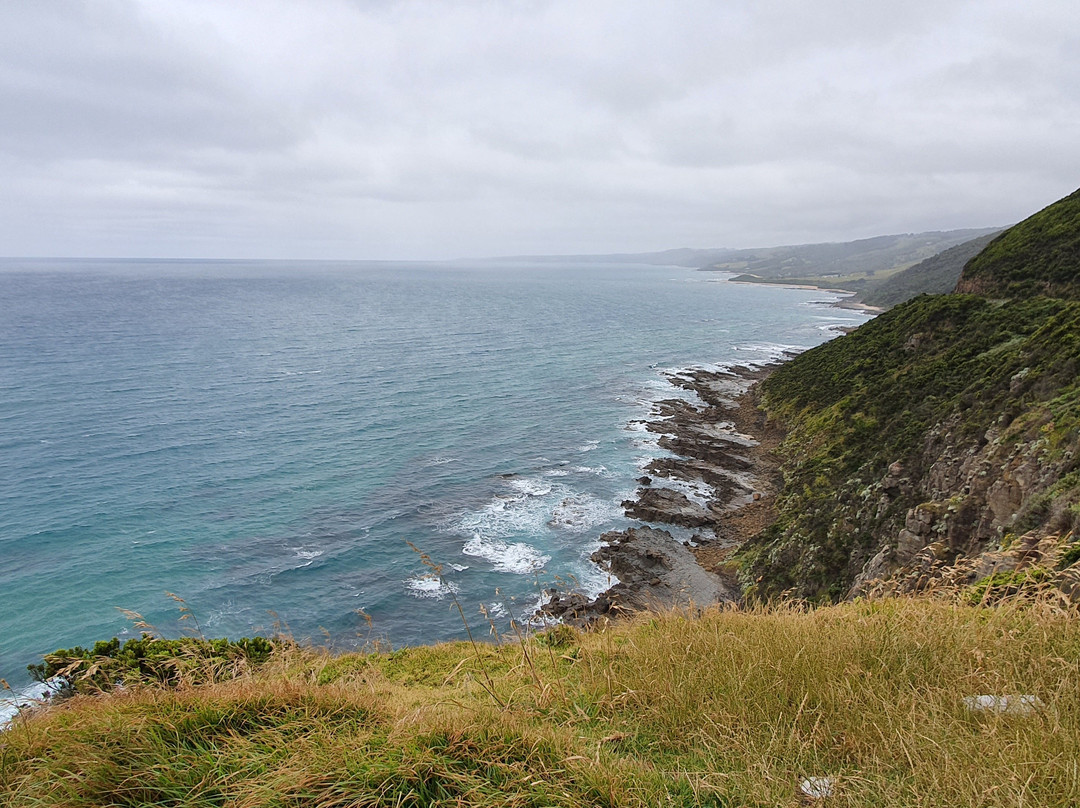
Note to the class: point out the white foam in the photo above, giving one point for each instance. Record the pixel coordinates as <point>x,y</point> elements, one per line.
<point>299,372</point>
<point>654,451</point>
<point>588,446</point>
<point>504,530</point>
<point>772,352</point>
<point>227,612</point>
<point>529,487</point>
<point>518,558</point>
<point>307,554</point>
<point>535,619</point>
<point>580,513</point>
<point>441,461</point>
<point>430,586</point>
<point>599,471</point>
<point>28,697</point>
<point>556,473</point>
<point>504,517</point>
<point>663,389</point>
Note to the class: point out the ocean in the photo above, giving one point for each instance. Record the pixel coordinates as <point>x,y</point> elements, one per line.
<point>341,451</point>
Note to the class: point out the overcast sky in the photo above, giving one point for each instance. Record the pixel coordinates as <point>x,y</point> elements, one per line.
<point>381,129</point>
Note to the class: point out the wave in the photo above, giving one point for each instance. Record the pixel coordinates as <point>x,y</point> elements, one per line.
<point>696,491</point>
<point>226,615</point>
<point>25,698</point>
<point>431,587</point>
<point>518,558</point>
<point>579,513</point>
<point>530,487</point>
<point>769,353</point>
<point>440,461</point>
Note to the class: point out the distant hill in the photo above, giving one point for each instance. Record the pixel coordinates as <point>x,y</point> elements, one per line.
<point>1041,255</point>
<point>853,265</point>
<point>847,265</point>
<point>935,275</point>
<point>679,257</point>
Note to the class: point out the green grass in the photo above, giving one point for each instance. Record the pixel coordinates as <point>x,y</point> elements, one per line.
<point>732,708</point>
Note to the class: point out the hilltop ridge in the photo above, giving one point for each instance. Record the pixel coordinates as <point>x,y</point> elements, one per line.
<point>1040,255</point>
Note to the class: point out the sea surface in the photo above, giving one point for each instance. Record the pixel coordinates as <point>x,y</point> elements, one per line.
<point>340,451</point>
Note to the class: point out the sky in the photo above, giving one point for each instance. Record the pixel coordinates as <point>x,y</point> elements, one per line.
<point>375,129</point>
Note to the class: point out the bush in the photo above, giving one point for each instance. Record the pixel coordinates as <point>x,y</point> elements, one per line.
<point>150,659</point>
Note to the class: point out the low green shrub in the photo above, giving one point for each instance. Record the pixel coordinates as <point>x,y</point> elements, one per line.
<point>150,659</point>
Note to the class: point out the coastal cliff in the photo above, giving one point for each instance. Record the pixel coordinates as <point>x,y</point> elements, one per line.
<point>942,432</point>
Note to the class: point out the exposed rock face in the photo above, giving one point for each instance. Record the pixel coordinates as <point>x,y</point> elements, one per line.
<point>948,419</point>
<point>935,567</point>
<point>975,495</point>
<point>668,507</point>
<point>654,571</point>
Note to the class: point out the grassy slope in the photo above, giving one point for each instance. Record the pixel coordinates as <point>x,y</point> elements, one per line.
<point>732,708</point>
<point>866,400</point>
<point>1041,255</point>
<point>936,275</point>
<point>961,363</point>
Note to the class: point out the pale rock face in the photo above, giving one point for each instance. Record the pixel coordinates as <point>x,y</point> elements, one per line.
<point>1023,704</point>
<point>908,544</point>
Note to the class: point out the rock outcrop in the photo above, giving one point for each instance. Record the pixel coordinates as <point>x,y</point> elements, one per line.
<point>718,482</point>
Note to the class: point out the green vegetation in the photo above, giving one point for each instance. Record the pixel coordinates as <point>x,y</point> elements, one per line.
<point>1070,556</point>
<point>959,365</point>
<point>882,421</point>
<point>1041,255</point>
<point>168,662</point>
<point>891,699</point>
<point>732,708</point>
<point>936,275</point>
<point>1000,585</point>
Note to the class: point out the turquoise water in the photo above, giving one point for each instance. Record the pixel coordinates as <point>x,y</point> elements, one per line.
<point>264,438</point>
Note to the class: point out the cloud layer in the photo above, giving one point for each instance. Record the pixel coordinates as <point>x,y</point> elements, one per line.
<point>378,129</point>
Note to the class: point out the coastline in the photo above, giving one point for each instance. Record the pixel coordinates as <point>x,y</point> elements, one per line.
<point>694,508</point>
<point>845,303</point>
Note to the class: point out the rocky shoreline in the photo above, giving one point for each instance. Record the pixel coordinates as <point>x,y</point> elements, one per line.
<point>720,486</point>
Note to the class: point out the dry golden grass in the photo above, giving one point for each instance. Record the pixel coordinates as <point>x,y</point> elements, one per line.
<point>729,708</point>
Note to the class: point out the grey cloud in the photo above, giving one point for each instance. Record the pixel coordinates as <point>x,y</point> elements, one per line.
<point>427,129</point>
